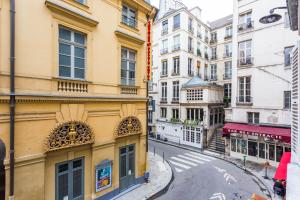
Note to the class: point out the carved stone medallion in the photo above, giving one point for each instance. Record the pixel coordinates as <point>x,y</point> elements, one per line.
<point>129,126</point>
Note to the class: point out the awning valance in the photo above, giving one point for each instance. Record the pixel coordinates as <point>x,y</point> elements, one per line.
<point>282,167</point>
<point>276,133</point>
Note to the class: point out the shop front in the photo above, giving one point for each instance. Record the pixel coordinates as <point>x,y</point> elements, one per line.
<point>257,143</point>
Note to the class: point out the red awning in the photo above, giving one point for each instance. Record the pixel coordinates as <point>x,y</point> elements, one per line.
<point>282,134</point>
<point>282,167</point>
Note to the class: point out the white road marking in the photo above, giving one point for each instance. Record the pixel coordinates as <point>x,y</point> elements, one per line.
<point>179,164</point>
<point>184,161</point>
<point>199,157</point>
<point>205,156</point>
<point>218,196</point>
<point>191,159</point>
<point>178,170</point>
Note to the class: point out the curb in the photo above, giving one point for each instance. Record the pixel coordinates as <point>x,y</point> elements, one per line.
<point>269,193</point>
<point>165,189</point>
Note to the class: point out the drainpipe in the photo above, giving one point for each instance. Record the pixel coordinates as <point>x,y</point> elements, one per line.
<point>12,100</point>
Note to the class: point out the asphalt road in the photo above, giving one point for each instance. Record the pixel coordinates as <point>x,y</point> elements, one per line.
<point>200,177</point>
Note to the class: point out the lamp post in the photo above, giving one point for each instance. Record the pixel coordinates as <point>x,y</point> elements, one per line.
<point>272,17</point>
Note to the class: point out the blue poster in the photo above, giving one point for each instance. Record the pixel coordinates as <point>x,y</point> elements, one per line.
<point>103,175</point>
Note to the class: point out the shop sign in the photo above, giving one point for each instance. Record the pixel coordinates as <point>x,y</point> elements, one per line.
<point>103,175</point>
<point>148,50</point>
<point>266,135</point>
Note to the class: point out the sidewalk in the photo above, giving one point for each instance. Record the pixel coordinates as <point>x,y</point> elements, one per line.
<point>252,168</point>
<point>161,176</point>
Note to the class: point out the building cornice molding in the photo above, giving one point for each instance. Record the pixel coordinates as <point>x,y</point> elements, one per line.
<point>60,8</point>
<point>122,34</point>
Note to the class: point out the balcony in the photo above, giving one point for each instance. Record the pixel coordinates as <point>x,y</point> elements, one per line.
<point>246,26</point>
<point>164,51</point>
<point>176,26</point>
<point>228,37</point>
<point>227,55</point>
<point>176,48</point>
<point>129,22</point>
<point>245,62</point>
<point>215,57</point>
<point>72,86</point>
<point>199,35</point>
<point>164,32</point>
<point>163,100</point>
<point>163,74</point>
<point>175,100</point>
<point>244,100</point>
<point>175,73</point>
<point>127,89</point>
<point>226,76</point>
<point>213,41</point>
<point>191,29</point>
<point>199,53</point>
<point>206,39</point>
<point>191,50</point>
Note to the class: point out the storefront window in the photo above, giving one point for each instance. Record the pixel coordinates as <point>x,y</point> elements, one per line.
<point>238,144</point>
<point>279,152</point>
<point>262,150</point>
<point>252,148</point>
<point>244,146</point>
<point>233,144</point>
<point>271,152</point>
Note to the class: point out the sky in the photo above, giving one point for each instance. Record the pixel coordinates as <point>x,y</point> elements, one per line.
<point>211,9</point>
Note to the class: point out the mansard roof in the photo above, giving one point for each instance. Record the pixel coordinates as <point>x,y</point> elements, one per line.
<point>196,81</point>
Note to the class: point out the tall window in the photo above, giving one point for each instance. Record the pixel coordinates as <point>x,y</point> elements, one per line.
<point>198,49</point>
<point>129,16</point>
<point>194,114</point>
<point>194,94</point>
<point>176,63</point>
<point>164,91</point>
<point>190,67</point>
<point>69,179</point>
<point>175,91</point>
<point>245,52</point>
<point>176,21</point>
<point>175,113</point>
<point>164,67</point>
<point>205,72</point>
<point>72,54</point>
<point>287,56</point>
<point>176,40</point>
<point>164,46</point>
<point>253,118</point>
<point>213,72</point>
<point>206,52</point>
<point>213,36</point>
<point>227,90</point>
<point>228,69</point>
<point>165,27</point>
<point>228,50</point>
<point>128,62</point>
<point>287,99</point>
<point>245,89</point>
<point>199,35</point>
<point>214,53</point>
<point>245,21</point>
<point>163,112</point>
<point>228,31</point>
<point>190,44</point>
<point>190,26</point>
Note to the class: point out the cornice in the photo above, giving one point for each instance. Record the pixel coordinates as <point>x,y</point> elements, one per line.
<point>130,37</point>
<point>60,8</point>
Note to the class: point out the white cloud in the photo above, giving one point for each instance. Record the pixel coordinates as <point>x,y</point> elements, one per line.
<point>211,9</point>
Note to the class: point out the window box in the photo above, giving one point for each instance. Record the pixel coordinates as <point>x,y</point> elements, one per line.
<point>163,100</point>
<point>246,26</point>
<point>228,37</point>
<point>126,89</point>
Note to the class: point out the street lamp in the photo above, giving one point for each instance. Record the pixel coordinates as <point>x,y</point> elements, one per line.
<point>272,17</point>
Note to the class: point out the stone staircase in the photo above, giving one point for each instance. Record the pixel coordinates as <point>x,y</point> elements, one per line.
<point>217,143</point>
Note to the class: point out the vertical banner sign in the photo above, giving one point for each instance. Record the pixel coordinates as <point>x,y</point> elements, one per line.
<point>148,50</point>
<point>103,175</point>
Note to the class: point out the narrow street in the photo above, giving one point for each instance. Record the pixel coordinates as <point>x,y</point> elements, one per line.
<point>201,177</point>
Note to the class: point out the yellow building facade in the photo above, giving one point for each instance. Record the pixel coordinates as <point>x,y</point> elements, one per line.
<point>81,97</point>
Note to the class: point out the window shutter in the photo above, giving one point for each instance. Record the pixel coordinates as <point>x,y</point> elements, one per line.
<point>295,143</point>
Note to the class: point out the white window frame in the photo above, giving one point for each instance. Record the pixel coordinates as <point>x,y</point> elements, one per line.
<point>127,18</point>
<point>175,90</point>
<point>243,96</point>
<point>164,91</point>
<point>194,95</point>
<point>213,72</point>
<point>128,60</point>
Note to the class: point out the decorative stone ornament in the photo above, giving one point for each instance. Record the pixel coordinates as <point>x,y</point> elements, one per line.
<point>129,126</point>
<point>69,134</point>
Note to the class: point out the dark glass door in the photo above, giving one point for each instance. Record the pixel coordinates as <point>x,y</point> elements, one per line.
<point>69,180</point>
<point>127,167</point>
